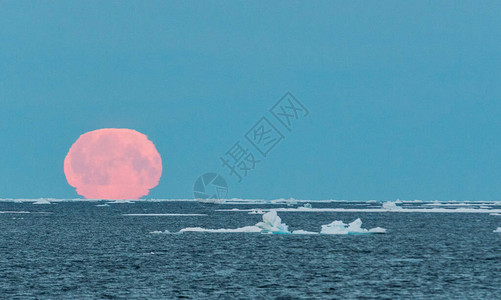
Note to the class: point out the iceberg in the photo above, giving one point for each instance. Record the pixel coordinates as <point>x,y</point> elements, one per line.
<point>498,230</point>
<point>42,201</point>
<point>272,223</point>
<point>391,206</point>
<point>336,227</point>
<point>355,227</point>
<point>291,202</point>
<point>222,230</point>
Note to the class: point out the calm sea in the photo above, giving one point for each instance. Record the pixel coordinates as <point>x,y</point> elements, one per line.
<point>79,250</point>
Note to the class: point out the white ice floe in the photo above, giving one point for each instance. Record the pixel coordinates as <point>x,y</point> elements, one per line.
<point>290,201</point>
<point>222,230</point>
<point>160,232</point>
<point>355,227</point>
<point>303,232</point>
<point>121,202</point>
<point>212,200</point>
<point>42,201</point>
<point>272,223</point>
<point>165,215</point>
<point>392,206</point>
<point>374,210</point>
<point>377,230</point>
<point>495,214</point>
<point>14,212</point>
<point>498,230</point>
<point>103,205</point>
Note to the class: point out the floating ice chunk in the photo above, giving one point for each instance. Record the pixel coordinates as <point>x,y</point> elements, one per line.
<point>495,214</point>
<point>121,202</point>
<point>377,230</point>
<point>336,227</point>
<point>498,230</point>
<point>212,200</point>
<point>103,205</point>
<point>42,201</point>
<point>272,224</point>
<point>355,227</point>
<point>160,232</point>
<point>303,232</point>
<point>390,205</point>
<point>222,230</point>
<point>291,202</point>
<point>307,205</point>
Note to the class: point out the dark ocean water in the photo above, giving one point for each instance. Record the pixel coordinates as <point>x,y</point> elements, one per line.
<point>81,251</point>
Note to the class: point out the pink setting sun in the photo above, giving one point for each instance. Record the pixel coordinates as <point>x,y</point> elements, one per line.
<point>113,163</point>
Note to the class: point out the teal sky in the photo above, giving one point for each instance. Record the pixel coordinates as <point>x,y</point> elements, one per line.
<point>404,96</point>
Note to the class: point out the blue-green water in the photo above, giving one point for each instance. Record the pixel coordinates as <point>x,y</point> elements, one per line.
<point>82,251</point>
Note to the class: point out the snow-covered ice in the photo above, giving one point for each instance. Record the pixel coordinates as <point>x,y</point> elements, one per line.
<point>160,232</point>
<point>377,230</point>
<point>392,206</point>
<point>42,201</point>
<point>303,232</point>
<point>222,230</point>
<point>272,223</point>
<point>355,227</point>
<point>498,230</point>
